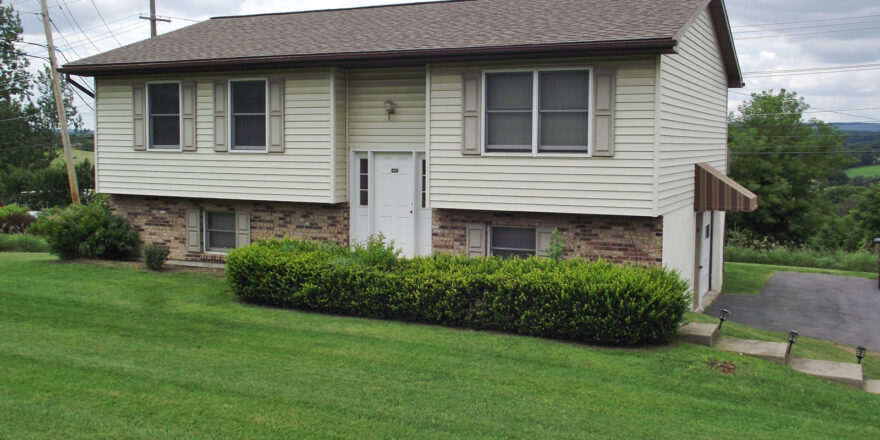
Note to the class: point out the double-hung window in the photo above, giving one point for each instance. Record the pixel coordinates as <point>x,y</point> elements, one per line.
<point>219,231</point>
<point>537,111</point>
<point>248,112</point>
<point>164,115</point>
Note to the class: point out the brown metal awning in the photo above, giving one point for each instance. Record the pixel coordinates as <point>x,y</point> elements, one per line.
<point>717,192</point>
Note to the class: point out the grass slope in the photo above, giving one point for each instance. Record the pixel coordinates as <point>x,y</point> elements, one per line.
<point>93,351</point>
<point>749,278</point>
<point>865,171</point>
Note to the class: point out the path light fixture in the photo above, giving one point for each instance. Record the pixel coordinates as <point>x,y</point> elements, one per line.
<point>792,338</point>
<point>860,353</point>
<point>389,106</point>
<point>724,316</point>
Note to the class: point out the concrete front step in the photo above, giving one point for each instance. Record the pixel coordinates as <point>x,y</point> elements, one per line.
<point>872,386</point>
<point>699,333</point>
<point>771,351</point>
<point>840,372</point>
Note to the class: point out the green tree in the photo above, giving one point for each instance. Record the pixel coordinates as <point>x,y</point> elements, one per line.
<point>786,161</point>
<point>46,103</point>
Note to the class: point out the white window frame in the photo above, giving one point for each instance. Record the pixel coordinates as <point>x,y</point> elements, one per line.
<point>205,213</point>
<point>148,118</point>
<point>489,246</point>
<point>536,108</point>
<point>232,148</point>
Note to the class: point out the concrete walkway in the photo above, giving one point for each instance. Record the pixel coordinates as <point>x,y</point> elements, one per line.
<point>830,307</point>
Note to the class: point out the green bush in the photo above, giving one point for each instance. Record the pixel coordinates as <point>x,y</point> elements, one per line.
<point>22,243</point>
<point>832,259</point>
<point>574,299</point>
<point>155,256</point>
<point>87,231</point>
<point>14,219</point>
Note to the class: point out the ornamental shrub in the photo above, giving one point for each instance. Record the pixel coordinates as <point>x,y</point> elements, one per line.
<point>595,302</point>
<point>14,219</point>
<point>87,231</point>
<point>155,256</point>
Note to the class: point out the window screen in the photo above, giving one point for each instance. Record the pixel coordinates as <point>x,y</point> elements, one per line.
<point>509,112</point>
<point>219,231</point>
<point>563,111</point>
<point>164,109</point>
<point>512,242</point>
<point>248,115</point>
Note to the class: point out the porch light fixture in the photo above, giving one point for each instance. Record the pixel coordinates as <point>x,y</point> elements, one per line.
<point>792,338</point>
<point>860,353</point>
<point>389,107</point>
<point>725,314</point>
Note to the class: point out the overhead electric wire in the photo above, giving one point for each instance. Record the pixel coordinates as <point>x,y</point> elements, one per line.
<point>804,27</point>
<point>824,110</point>
<point>852,17</point>
<point>68,47</point>
<point>104,21</point>
<point>808,33</point>
<point>70,12</point>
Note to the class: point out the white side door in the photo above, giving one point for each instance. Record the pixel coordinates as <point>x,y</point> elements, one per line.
<point>705,243</point>
<point>395,199</point>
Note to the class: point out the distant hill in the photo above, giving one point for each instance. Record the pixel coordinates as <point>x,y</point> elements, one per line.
<point>857,126</point>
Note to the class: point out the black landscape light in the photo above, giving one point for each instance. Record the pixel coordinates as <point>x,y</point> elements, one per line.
<point>860,353</point>
<point>792,338</point>
<point>725,314</point>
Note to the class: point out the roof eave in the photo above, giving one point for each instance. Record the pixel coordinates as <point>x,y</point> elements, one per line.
<point>725,40</point>
<point>620,47</point>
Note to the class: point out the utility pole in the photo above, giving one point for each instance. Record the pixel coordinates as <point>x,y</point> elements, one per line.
<point>153,18</point>
<point>59,106</point>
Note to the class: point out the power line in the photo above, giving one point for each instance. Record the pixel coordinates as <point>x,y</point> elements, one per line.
<point>60,34</point>
<point>817,108</point>
<point>77,23</point>
<point>805,27</point>
<point>852,17</point>
<point>809,33</point>
<point>105,21</point>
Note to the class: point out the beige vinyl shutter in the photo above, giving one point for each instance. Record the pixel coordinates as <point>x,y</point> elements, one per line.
<point>276,115</point>
<point>139,100</point>
<point>221,143</point>
<point>242,229</point>
<point>193,230</point>
<point>603,117</point>
<point>542,237</point>
<point>476,239</point>
<point>188,113</point>
<point>471,108</point>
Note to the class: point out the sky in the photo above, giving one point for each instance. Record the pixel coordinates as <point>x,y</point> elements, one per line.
<point>770,35</point>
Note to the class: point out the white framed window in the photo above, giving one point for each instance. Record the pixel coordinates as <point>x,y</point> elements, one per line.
<point>363,181</point>
<point>423,183</point>
<point>537,111</point>
<point>219,231</point>
<point>164,117</point>
<point>248,111</point>
<point>508,241</point>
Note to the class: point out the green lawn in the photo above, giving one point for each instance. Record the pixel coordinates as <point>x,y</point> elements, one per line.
<point>98,351</point>
<point>865,171</point>
<point>749,278</point>
<point>79,156</point>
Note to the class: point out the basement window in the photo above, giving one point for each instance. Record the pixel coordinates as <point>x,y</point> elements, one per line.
<point>508,242</point>
<point>219,231</point>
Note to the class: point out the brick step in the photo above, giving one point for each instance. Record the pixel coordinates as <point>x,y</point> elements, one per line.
<point>841,372</point>
<point>872,386</point>
<point>699,333</point>
<point>771,351</point>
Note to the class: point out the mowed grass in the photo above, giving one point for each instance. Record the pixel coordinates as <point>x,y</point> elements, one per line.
<point>98,351</point>
<point>749,278</point>
<point>865,171</point>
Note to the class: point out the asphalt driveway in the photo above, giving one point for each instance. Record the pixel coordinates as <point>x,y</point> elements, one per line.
<point>835,308</point>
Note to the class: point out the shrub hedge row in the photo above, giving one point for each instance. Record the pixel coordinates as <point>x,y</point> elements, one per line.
<point>594,302</point>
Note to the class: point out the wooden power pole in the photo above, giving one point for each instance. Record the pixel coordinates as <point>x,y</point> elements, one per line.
<point>153,18</point>
<point>59,106</point>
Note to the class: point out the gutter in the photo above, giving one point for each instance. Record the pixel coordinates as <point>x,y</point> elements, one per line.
<point>626,47</point>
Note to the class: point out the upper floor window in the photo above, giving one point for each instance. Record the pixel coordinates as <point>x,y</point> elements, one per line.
<point>537,111</point>
<point>248,111</point>
<point>164,113</point>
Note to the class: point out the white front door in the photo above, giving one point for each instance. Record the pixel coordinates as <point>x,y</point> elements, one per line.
<point>704,220</point>
<point>394,199</point>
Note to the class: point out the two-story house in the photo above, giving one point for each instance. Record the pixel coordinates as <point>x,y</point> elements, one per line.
<point>472,126</point>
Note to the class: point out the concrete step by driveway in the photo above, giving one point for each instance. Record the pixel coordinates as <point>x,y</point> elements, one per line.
<point>840,372</point>
<point>872,386</point>
<point>771,351</point>
<point>699,333</point>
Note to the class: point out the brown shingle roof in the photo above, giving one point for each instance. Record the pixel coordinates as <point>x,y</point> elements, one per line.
<point>416,29</point>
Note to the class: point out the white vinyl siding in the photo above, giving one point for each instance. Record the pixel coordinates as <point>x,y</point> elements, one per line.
<point>301,174</point>
<point>368,124</point>
<point>619,185</point>
<point>693,113</point>
<point>340,149</point>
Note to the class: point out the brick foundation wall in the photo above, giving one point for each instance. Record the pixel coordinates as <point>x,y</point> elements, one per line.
<point>618,239</point>
<point>162,221</point>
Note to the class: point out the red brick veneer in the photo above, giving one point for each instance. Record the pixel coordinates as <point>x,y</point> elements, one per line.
<point>618,239</point>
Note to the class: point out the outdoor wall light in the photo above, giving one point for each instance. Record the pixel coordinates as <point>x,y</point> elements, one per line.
<point>792,338</point>
<point>860,353</point>
<point>725,314</point>
<point>389,107</point>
